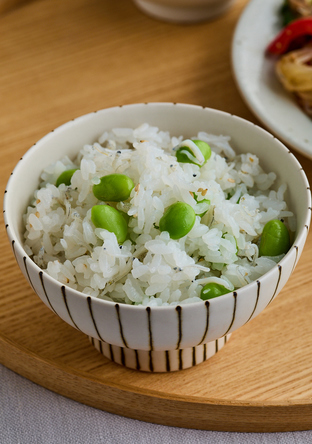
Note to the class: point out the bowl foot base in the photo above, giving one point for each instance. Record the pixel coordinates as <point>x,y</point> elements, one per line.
<point>159,361</point>
<point>183,14</point>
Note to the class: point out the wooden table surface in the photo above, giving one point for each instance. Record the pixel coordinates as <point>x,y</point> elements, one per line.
<point>61,59</point>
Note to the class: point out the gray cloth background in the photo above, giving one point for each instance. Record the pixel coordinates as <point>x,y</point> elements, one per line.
<point>30,414</point>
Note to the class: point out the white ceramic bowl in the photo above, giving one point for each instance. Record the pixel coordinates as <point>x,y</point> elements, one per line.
<point>157,338</point>
<point>184,11</point>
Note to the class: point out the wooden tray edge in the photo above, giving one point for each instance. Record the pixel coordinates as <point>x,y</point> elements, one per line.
<point>155,407</point>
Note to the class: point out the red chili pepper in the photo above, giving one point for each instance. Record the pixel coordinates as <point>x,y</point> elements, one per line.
<point>296,29</point>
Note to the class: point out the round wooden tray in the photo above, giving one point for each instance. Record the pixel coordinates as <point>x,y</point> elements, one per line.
<point>63,59</point>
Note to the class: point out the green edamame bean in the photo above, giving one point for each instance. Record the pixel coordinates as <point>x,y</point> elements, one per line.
<point>113,188</point>
<point>125,216</point>
<point>275,239</point>
<point>104,216</point>
<point>213,290</point>
<point>178,220</point>
<point>184,158</point>
<point>65,177</point>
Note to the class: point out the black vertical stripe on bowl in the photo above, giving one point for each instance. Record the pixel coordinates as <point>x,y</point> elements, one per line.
<point>216,345</point>
<point>151,365</point>
<point>207,304</point>
<point>168,368</point>
<point>120,325</point>
<point>205,352</point>
<point>194,356</point>
<point>111,353</point>
<point>138,366</point>
<point>13,249</point>
<point>296,257</point>
<point>148,311</point>
<point>122,356</point>
<point>277,283</point>
<point>27,273</point>
<point>89,301</point>
<point>179,311</point>
<point>45,292</point>
<point>256,304</point>
<point>101,347</point>
<point>180,359</point>
<point>234,313</point>
<point>67,307</point>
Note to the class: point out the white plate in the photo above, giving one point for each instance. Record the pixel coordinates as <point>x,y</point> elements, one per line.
<point>256,79</point>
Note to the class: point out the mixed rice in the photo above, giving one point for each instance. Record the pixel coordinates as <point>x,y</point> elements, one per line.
<point>234,194</point>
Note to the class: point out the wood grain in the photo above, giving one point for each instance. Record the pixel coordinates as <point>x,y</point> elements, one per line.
<point>6,6</point>
<point>59,60</point>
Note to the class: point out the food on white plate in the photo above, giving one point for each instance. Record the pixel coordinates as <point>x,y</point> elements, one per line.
<point>293,9</point>
<point>293,47</point>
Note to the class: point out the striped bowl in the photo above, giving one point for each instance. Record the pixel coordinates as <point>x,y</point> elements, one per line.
<point>157,338</point>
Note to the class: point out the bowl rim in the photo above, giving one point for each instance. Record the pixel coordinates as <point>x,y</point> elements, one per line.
<point>18,246</point>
